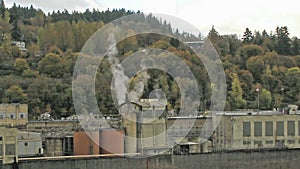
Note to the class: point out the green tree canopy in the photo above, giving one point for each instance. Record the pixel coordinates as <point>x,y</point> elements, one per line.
<point>21,65</point>
<point>265,100</point>
<point>14,94</point>
<point>51,65</point>
<point>236,94</point>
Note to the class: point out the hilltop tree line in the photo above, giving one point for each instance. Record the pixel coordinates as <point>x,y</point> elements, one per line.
<point>264,65</point>
<point>42,75</point>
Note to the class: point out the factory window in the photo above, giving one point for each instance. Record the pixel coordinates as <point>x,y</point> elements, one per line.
<point>25,144</point>
<point>269,128</point>
<point>11,115</point>
<point>258,143</point>
<point>279,128</point>
<point>221,133</point>
<point>1,151</point>
<point>2,116</point>
<point>291,128</point>
<point>257,129</point>
<point>246,142</point>
<point>1,138</point>
<point>280,143</point>
<point>10,149</point>
<point>269,142</point>
<point>291,141</point>
<point>246,129</point>
<point>22,116</point>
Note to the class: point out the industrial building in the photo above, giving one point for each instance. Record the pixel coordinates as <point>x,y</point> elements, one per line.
<point>14,144</point>
<point>190,134</point>
<point>29,144</point>
<point>145,125</point>
<point>13,115</point>
<point>8,144</point>
<point>189,127</point>
<point>258,130</point>
<point>144,128</point>
<point>57,144</point>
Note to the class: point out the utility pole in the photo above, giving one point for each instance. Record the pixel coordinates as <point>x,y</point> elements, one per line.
<point>257,90</point>
<point>282,90</point>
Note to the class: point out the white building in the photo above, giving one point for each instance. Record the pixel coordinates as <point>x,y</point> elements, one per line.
<point>257,130</point>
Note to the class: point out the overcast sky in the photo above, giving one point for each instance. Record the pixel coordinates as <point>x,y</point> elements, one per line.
<point>228,16</point>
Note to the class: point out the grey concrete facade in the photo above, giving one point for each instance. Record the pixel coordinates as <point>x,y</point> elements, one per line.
<point>287,159</point>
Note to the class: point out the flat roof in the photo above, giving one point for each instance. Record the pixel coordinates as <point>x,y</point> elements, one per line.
<point>261,113</point>
<point>190,117</point>
<point>187,143</point>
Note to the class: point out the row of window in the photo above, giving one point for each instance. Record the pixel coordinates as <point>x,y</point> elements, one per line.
<point>278,142</point>
<point>269,128</point>
<point>13,116</point>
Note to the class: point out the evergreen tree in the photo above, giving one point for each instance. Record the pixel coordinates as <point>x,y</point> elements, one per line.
<point>177,34</point>
<point>14,16</point>
<point>213,35</point>
<point>16,31</point>
<point>14,21</point>
<point>2,9</point>
<point>295,46</point>
<point>283,46</point>
<point>258,40</point>
<point>4,26</point>
<point>264,33</point>
<point>247,37</point>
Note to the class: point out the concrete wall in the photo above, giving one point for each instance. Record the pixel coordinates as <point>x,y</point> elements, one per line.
<point>129,122</point>
<point>184,127</point>
<point>287,159</point>
<point>8,142</point>
<point>54,146</point>
<point>42,126</point>
<point>29,144</point>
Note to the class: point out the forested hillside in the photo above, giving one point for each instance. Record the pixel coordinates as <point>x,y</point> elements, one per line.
<point>41,76</point>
